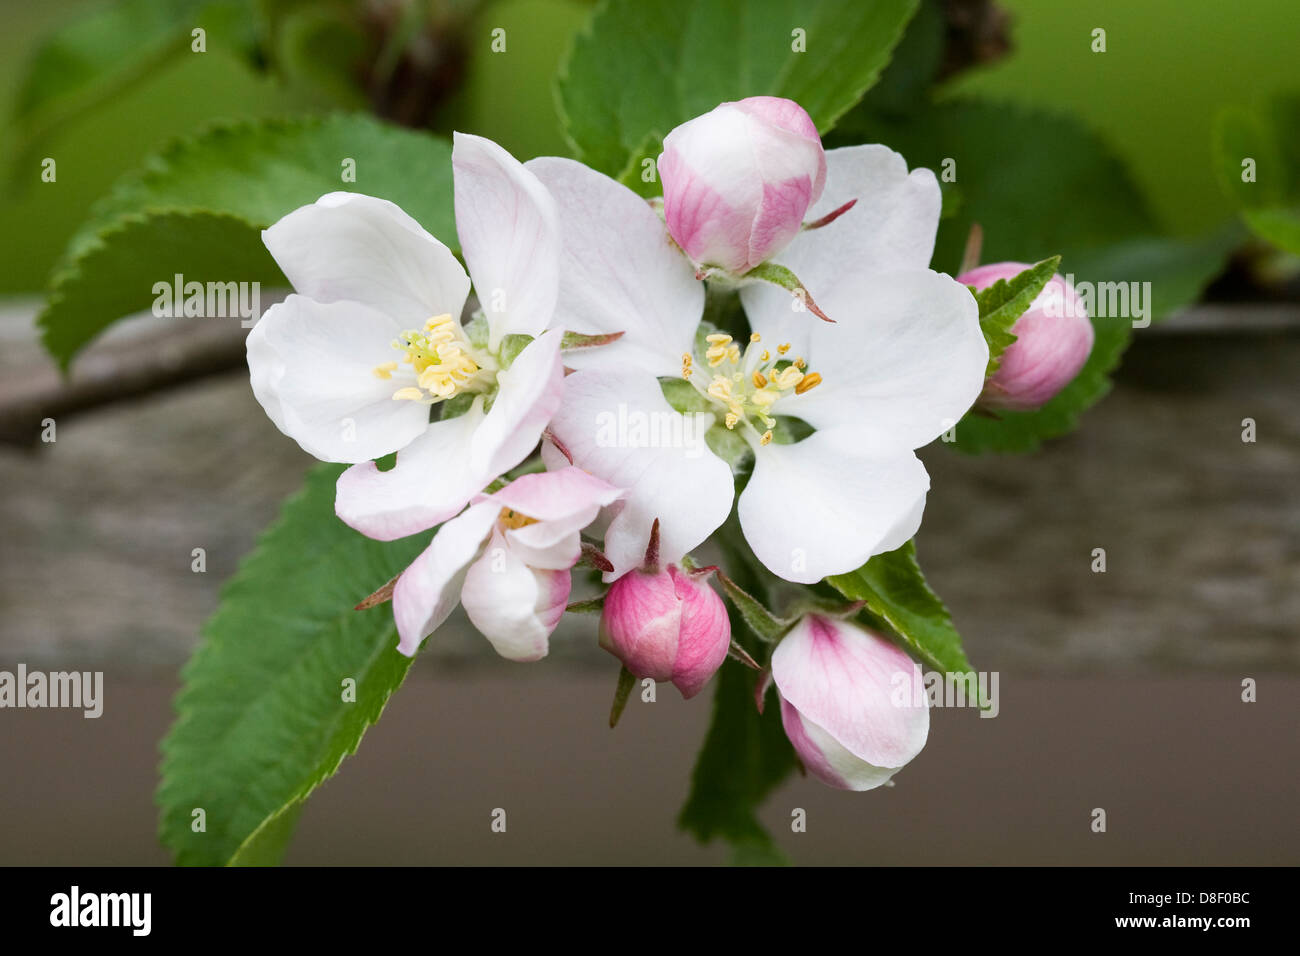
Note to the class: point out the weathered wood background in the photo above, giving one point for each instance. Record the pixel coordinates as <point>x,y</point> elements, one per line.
<point>1201,530</point>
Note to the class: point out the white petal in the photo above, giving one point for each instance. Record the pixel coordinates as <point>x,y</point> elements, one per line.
<point>312,369</point>
<point>619,272</point>
<point>510,236</point>
<point>528,394</point>
<point>513,606</point>
<point>348,246</point>
<point>610,421</point>
<point>828,503</point>
<point>891,227</point>
<point>431,481</point>
<point>428,590</point>
<point>905,355</point>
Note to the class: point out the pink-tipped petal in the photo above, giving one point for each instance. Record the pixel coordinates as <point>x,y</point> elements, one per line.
<point>860,700</point>
<point>514,606</point>
<point>739,179</point>
<point>428,590</point>
<point>705,633</point>
<point>1054,338</point>
<point>561,503</point>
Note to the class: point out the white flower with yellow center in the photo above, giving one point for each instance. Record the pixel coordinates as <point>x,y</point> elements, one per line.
<point>902,362</point>
<point>370,348</point>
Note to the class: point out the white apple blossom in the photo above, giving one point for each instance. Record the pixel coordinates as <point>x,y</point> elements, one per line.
<point>901,364</point>
<point>506,559</point>
<point>351,364</point>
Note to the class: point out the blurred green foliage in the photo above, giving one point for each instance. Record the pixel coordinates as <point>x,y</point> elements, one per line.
<point>1169,66</point>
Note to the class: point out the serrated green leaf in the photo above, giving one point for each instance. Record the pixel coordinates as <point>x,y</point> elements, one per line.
<point>198,208</point>
<point>641,67</point>
<point>261,719</point>
<point>1005,301</point>
<point>895,590</point>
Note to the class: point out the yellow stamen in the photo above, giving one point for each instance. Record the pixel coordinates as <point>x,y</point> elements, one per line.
<point>767,437</point>
<point>809,381</point>
<point>440,357</point>
<point>720,388</point>
<point>752,382</point>
<point>514,519</point>
<point>386,370</point>
<point>788,378</point>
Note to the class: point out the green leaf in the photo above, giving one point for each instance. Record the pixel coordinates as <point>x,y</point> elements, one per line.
<point>1043,184</point>
<point>1005,301</point>
<point>765,625</point>
<point>642,67</point>
<point>261,719</point>
<point>745,756</point>
<point>895,591</point>
<point>197,209</point>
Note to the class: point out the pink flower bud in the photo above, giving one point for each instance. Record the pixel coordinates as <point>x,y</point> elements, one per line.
<point>668,625</point>
<point>739,179</point>
<point>852,703</point>
<point>1053,339</point>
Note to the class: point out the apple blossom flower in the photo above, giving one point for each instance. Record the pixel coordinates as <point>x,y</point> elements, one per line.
<point>351,365</point>
<point>1053,341</point>
<point>506,560</point>
<point>852,703</point>
<point>738,180</point>
<point>666,623</point>
<point>903,363</point>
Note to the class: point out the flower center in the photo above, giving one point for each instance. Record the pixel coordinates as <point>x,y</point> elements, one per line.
<point>444,362</point>
<point>513,519</point>
<point>749,383</point>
